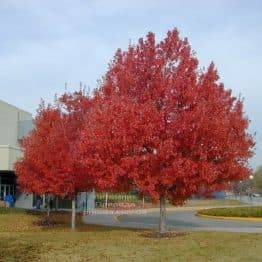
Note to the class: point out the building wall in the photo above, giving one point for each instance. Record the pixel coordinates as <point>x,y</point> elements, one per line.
<point>9,124</point>
<point>86,201</point>
<point>4,157</point>
<point>8,156</point>
<point>15,123</point>
<point>24,200</point>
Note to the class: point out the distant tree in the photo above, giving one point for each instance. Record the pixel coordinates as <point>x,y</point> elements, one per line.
<point>48,165</point>
<point>32,169</point>
<point>242,187</point>
<point>164,127</point>
<point>257,180</point>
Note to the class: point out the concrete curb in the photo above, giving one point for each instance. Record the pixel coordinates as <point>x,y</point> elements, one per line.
<point>193,208</point>
<point>249,219</point>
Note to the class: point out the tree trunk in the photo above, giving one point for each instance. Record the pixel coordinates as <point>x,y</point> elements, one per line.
<point>73,218</point>
<point>48,206</point>
<point>44,202</point>
<point>86,204</point>
<point>56,203</point>
<point>106,202</point>
<point>162,217</point>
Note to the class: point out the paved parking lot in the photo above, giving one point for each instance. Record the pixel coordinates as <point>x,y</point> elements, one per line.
<point>178,219</point>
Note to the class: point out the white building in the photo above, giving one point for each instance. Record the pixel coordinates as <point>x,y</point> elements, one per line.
<point>15,123</point>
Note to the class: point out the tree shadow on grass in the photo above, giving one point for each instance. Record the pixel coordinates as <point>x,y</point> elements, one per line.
<point>61,220</point>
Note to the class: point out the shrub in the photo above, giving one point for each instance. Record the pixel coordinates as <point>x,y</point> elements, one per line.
<point>233,212</point>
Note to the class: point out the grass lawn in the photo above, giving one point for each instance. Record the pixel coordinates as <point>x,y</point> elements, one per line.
<point>234,212</point>
<point>22,239</point>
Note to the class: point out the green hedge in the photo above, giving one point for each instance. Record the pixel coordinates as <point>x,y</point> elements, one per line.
<point>113,198</point>
<point>255,211</point>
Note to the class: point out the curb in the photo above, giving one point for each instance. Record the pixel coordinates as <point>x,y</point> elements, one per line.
<point>250,219</point>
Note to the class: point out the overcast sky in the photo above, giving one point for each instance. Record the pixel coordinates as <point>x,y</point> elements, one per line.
<point>44,44</point>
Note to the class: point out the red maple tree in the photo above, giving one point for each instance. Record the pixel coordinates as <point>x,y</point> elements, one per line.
<point>48,165</point>
<point>164,127</point>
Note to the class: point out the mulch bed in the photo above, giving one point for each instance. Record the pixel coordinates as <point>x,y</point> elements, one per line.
<point>46,222</point>
<point>167,235</point>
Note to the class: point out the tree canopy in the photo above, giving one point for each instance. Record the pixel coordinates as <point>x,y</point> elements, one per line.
<point>49,164</point>
<point>165,127</point>
<point>257,180</point>
<point>157,123</point>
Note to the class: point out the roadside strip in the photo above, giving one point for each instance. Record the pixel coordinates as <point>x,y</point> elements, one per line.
<point>250,219</point>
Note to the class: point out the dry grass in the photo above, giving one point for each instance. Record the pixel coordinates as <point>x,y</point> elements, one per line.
<point>21,239</point>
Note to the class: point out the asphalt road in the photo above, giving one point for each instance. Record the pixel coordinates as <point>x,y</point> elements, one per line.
<point>187,220</point>
<point>179,220</point>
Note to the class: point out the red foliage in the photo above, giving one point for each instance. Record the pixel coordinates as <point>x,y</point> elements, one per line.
<point>48,164</point>
<point>164,127</point>
<point>157,124</point>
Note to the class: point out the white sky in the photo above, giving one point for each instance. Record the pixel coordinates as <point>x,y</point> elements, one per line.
<point>47,43</point>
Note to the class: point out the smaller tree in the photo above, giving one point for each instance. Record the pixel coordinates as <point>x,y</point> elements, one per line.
<point>242,187</point>
<point>48,165</point>
<point>257,180</point>
<point>32,170</point>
